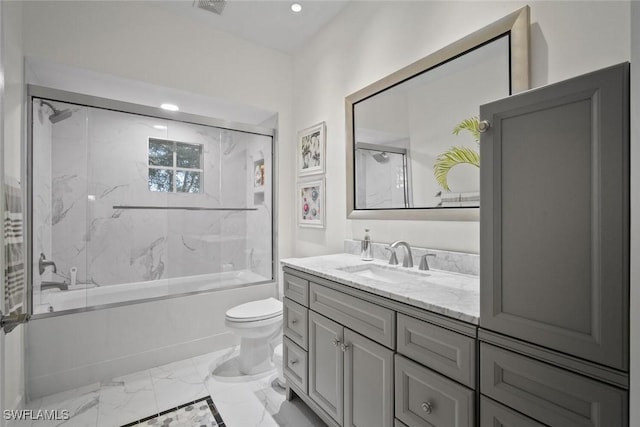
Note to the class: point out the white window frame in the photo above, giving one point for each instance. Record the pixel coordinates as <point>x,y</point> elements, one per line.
<point>174,167</point>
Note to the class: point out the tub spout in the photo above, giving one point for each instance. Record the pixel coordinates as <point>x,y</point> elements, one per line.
<point>43,263</point>
<point>49,285</point>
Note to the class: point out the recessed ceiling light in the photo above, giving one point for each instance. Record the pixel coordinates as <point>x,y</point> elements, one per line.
<point>296,7</point>
<point>169,107</point>
<point>160,127</point>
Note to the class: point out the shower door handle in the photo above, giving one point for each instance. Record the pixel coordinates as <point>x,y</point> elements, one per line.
<point>9,322</point>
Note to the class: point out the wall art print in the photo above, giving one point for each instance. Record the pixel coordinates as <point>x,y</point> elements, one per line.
<point>310,204</point>
<point>311,150</point>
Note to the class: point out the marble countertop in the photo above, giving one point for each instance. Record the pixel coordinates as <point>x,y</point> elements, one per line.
<point>452,294</point>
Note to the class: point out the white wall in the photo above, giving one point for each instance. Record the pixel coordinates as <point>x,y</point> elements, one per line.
<point>635,214</point>
<point>369,40</point>
<point>13,96</point>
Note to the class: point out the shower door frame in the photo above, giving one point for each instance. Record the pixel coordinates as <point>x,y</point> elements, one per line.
<point>50,94</point>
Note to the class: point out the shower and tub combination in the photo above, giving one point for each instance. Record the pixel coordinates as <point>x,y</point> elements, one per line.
<point>131,204</point>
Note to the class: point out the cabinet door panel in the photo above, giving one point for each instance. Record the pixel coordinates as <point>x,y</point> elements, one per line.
<point>427,399</point>
<point>549,394</point>
<point>438,348</point>
<point>296,289</point>
<point>295,322</point>
<point>376,322</point>
<point>294,360</point>
<point>494,414</point>
<point>326,365</point>
<point>554,217</point>
<point>368,382</point>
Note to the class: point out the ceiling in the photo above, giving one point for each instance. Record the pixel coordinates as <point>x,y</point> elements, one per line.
<point>270,23</point>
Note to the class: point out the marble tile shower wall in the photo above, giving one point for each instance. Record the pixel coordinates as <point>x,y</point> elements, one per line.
<point>41,131</point>
<point>100,160</point>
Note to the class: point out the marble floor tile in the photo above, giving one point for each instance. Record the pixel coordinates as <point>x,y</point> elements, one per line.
<point>242,400</point>
<point>126,399</point>
<point>177,383</point>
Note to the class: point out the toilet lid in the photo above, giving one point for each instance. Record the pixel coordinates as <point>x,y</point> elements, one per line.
<point>255,310</point>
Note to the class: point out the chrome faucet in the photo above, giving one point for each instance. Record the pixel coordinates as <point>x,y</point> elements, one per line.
<point>407,259</point>
<point>43,263</point>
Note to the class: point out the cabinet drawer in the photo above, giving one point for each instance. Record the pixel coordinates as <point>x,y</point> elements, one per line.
<point>294,360</point>
<point>493,414</point>
<point>549,394</point>
<point>371,320</point>
<point>295,322</point>
<point>427,399</point>
<point>440,349</point>
<point>296,289</point>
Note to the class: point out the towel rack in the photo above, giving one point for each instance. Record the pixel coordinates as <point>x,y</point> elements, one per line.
<point>186,208</point>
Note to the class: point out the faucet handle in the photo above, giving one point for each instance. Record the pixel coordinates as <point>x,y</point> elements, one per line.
<point>393,259</point>
<point>424,265</point>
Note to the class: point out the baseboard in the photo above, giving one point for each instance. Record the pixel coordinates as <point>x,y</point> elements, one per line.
<point>108,369</point>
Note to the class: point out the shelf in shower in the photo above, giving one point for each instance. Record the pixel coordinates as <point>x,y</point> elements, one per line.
<point>185,208</point>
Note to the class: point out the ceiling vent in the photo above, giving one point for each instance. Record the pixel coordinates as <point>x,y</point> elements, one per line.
<point>215,6</point>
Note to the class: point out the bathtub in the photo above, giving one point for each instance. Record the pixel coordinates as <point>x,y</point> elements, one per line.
<point>83,296</point>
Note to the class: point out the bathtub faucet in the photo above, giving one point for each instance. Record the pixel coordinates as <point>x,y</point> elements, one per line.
<point>43,263</point>
<point>50,285</point>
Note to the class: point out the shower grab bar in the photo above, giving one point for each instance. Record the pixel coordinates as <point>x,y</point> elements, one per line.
<point>186,208</point>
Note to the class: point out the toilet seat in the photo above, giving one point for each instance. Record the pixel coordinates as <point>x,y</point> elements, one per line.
<point>255,311</point>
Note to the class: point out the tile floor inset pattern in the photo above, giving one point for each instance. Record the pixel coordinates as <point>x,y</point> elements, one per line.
<point>199,413</point>
<point>242,400</point>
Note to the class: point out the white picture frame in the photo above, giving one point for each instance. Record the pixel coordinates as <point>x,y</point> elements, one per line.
<point>311,150</point>
<point>310,203</point>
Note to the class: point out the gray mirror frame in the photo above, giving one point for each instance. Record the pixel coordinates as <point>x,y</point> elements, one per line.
<point>516,25</point>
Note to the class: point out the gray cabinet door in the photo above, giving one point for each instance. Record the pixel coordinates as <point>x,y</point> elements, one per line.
<point>326,365</point>
<point>553,396</point>
<point>493,414</point>
<point>554,217</point>
<point>368,382</point>
<point>424,398</point>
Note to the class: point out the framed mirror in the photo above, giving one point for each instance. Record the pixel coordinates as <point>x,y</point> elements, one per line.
<point>412,137</point>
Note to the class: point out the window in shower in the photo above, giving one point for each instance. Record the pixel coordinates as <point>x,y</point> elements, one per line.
<point>112,240</point>
<point>175,167</point>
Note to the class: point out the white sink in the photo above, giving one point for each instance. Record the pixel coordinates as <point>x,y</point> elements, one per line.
<point>385,274</point>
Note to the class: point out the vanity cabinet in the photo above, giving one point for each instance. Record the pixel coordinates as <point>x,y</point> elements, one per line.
<point>554,294</point>
<point>355,374</point>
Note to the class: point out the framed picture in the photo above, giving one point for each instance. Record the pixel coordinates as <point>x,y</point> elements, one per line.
<point>311,150</point>
<point>310,204</point>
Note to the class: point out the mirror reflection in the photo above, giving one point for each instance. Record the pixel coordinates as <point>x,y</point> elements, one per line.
<point>416,143</point>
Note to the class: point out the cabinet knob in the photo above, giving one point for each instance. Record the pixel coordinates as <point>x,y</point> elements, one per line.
<point>344,347</point>
<point>483,126</point>
<point>294,321</point>
<point>426,407</point>
<point>293,362</point>
<point>336,342</point>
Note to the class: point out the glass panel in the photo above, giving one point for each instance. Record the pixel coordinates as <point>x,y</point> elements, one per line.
<point>160,153</point>
<point>187,181</point>
<point>188,155</point>
<point>126,248</point>
<point>95,217</point>
<point>160,180</point>
<point>247,234</point>
<point>194,236</point>
<point>60,195</point>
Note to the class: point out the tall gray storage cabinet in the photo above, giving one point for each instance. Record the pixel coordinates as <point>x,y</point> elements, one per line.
<point>554,219</point>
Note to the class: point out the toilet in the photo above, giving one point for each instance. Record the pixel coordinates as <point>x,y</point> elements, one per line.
<point>257,323</point>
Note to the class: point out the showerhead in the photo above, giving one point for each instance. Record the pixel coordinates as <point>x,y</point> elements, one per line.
<point>57,115</point>
<point>381,157</point>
